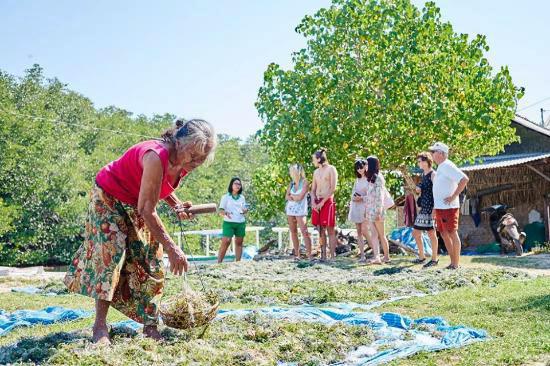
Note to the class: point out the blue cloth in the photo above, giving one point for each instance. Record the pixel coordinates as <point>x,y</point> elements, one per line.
<point>49,315</point>
<point>397,336</point>
<point>403,236</point>
<point>249,252</point>
<point>32,290</point>
<point>127,324</point>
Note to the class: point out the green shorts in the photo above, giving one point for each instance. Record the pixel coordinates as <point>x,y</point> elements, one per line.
<point>230,229</point>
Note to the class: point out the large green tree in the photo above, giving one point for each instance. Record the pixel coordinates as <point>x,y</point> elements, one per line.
<point>52,143</point>
<point>381,77</point>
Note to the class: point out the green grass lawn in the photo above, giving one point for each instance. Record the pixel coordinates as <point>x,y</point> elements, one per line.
<point>491,294</point>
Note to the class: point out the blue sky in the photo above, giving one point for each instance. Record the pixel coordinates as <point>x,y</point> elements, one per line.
<point>206,58</point>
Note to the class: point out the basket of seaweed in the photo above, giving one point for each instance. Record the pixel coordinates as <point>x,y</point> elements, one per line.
<point>190,309</point>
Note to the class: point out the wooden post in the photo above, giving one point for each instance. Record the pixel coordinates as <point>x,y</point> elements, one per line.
<point>546,217</point>
<point>207,245</point>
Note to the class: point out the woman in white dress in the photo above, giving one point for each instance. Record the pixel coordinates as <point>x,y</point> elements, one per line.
<point>296,209</point>
<point>358,207</point>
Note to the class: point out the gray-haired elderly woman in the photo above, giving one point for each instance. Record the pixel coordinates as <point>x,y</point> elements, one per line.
<point>120,262</point>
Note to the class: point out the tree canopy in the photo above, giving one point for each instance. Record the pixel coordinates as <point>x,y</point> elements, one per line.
<point>53,141</point>
<point>384,78</point>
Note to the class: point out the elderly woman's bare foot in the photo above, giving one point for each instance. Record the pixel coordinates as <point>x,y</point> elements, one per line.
<point>101,335</point>
<point>151,331</point>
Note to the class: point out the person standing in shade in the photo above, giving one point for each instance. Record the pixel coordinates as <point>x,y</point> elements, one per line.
<point>449,182</point>
<point>325,179</point>
<point>296,209</point>
<point>424,220</point>
<point>233,208</point>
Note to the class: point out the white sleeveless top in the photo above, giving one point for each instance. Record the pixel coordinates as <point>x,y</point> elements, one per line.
<point>297,208</point>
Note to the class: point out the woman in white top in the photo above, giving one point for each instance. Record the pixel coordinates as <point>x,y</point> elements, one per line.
<point>358,206</point>
<point>233,207</point>
<point>296,209</point>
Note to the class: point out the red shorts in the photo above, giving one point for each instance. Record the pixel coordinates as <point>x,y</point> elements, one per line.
<point>446,220</point>
<point>326,216</point>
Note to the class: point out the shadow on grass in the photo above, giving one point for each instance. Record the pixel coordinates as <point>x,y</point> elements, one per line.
<point>537,303</point>
<point>397,265</point>
<point>390,270</point>
<point>38,349</point>
<point>541,261</point>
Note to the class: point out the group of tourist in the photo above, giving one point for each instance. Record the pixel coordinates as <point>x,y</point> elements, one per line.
<point>120,262</point>
<point>438,202</point>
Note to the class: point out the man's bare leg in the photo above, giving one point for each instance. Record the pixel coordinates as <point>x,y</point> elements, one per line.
<point>456,247</point>
<point>333,241</point>
<point>435,244</point>
<point>323,243</point>
<point>448,245</point>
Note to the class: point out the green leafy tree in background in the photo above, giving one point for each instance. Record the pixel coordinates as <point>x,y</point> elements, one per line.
<point>53,142</point>
<point>384,78</point>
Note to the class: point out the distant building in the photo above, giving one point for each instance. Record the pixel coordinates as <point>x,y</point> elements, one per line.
<point>519,177</point>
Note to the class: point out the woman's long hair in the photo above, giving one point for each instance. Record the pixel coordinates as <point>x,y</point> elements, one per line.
<point>296,172</point>
<point>373,168</point>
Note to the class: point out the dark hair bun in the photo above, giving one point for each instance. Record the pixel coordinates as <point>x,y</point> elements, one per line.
<point>180,123</point>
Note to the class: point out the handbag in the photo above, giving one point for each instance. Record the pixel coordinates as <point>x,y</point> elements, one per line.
<point>388,200</point>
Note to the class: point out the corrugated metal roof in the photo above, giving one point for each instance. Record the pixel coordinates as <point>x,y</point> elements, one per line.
<point>502,161</point>
<point>531,125</point>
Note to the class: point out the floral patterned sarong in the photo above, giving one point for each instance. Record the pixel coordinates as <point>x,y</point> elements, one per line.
<point>119,261</point>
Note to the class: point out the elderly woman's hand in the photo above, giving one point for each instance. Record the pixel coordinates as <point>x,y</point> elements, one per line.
<point>181,210</point>
<point>177,259</point>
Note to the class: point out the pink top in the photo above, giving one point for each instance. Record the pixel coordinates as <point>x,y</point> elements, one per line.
<point>122,178</point>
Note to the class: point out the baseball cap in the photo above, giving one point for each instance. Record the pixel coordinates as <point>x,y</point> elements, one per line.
<point>439,146</point>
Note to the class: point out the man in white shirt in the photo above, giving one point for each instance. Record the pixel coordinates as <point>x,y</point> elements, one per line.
<point>449,182</point>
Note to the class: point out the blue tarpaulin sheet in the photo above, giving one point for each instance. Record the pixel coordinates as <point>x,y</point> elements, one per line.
<point>49,315</point>
<point>397,336</point>
<point>403,236</point>
<point>32,290</point>
<point>249,252</point>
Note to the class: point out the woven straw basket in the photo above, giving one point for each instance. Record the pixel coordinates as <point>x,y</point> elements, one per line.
<point>189,309</point>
